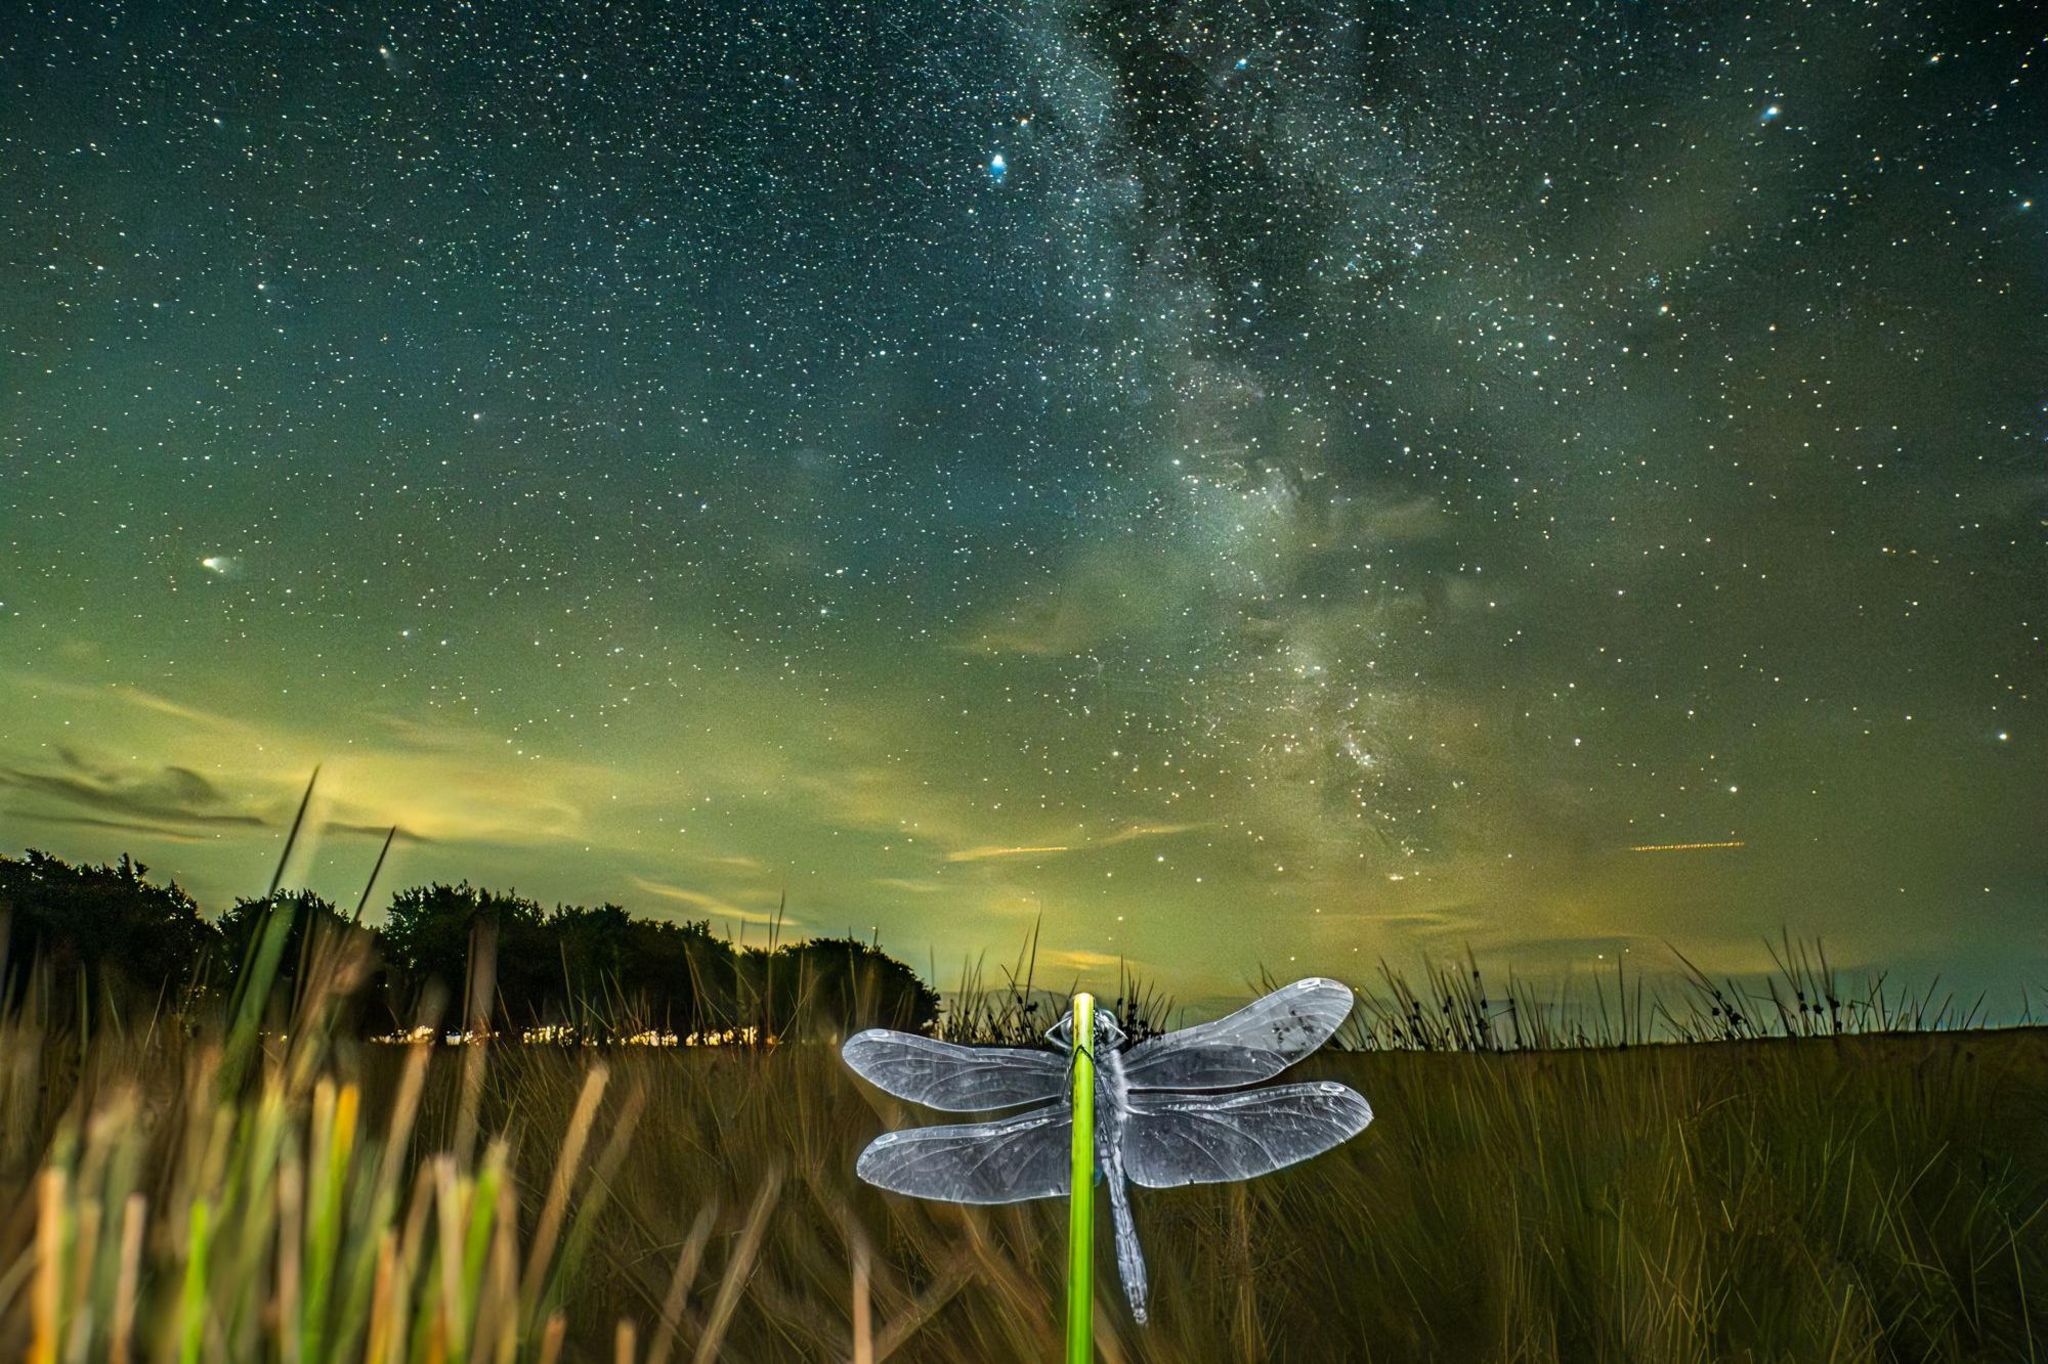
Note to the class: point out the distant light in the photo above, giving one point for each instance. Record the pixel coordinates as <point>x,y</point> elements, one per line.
<point>2003,736</point>
<point>1771,113</point>
<point>998,167</point>
<point>214,563</point>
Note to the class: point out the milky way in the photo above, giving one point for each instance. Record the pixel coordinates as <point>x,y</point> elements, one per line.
<point>1270,484</point>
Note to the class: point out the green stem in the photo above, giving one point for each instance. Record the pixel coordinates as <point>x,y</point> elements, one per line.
<point>192,1299</point>
<point>1081,1195</point>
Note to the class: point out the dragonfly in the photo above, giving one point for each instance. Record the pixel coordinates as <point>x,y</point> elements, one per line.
<point>1159,1122</point>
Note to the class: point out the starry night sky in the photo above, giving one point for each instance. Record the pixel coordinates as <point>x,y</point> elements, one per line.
<point>1269,483</point>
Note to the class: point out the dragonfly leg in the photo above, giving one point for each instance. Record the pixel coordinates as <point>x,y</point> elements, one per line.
<point>1075,1055</point>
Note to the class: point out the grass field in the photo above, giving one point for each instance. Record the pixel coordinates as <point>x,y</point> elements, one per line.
<point>1806,1199</point>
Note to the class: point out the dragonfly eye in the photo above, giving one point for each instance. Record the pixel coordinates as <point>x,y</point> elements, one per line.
<point>1061,1034</point>
<point>1108,1035</point>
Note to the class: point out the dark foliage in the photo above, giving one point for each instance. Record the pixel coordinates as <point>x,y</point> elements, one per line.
<point>310,917</point>
<point>606,974</point>
<point>841,980</point>
<point>599,973</point>
<point>320,944</point>
<point>101,928</point>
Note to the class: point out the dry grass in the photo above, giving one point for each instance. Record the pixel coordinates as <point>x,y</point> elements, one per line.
<point>1861,1199</point>
<point>226,1188</point>
<point>1853,1198</point>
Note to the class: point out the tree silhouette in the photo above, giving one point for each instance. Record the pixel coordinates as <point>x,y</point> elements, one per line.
<point>622,974</point>
<point>597,969</point>
<point>831,987</point>
<point>317,938</point>
<point>431,933</point>
<point>244,920</point>
<point>126,939</point>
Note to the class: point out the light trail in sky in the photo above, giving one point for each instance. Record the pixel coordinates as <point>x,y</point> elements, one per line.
<point>1688,847</point>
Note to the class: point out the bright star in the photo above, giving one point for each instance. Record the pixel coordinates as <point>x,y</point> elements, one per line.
<point>997,167</point>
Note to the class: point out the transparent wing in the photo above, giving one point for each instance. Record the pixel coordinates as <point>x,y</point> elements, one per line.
<point>1256,1043</point>
<point>953,1078</point>
<point>1174,1139</point>
<point>1007,1161</point>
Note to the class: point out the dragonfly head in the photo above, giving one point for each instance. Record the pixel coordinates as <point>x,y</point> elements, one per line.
<point>1108,1036</point>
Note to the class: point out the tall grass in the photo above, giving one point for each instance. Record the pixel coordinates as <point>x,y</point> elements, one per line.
<point>183,1209</point>
<point>1017,1011</point>
<point>1454,1007</point>
<point>1841,1198</point>
<point>262,1184</point>
<point>212,1189</point>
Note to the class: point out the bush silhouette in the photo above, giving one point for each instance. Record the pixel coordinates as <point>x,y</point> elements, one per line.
<point>124,939</point>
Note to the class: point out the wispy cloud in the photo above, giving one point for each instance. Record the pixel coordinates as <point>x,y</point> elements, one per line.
<point>170,794</point>
<point>130,826</point>
<point>729,861</point>
<point>710,904</point>
<point>985,853</point>
<point>1136,831</point>
<point>1129,833</point>
<point>909,886</point>
<point>150,701</point>
<point>1101,594</point>
<point>220,770</point>
<point>1079,959</point>
<point>402,835</point>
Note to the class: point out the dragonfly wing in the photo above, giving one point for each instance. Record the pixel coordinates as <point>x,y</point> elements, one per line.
<point>1256,1043</point>
<point>953,1078</point>
<point>1174,1139</point>
<point>1007,1161</point>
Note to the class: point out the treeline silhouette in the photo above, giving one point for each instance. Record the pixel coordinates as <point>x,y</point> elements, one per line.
<point>82,942</point>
